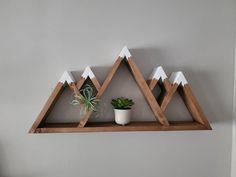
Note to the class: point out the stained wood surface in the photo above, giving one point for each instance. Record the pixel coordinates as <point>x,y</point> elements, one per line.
<point>80,83</point>
<point>193,105</point>
<point>48,106</point>
<point>162,124</point>
<point>113,127</point>
<point>102,89</point>
<point>96,83</point>
<point>152,83</point>
<point>168,91</point>
<point>167,95</point>
<point>147,93</point>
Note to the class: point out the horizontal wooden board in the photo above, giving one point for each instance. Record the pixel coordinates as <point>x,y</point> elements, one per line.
<point>113,127</point>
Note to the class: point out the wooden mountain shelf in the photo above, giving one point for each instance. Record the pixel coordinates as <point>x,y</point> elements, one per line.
<point>113,127</point>
<point>169,86</point>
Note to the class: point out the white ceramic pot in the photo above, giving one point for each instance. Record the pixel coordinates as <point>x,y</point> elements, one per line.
<point>122,116</point>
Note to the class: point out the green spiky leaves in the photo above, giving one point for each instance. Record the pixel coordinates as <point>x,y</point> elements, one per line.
<point>86,99</point>
<point>122,103</point>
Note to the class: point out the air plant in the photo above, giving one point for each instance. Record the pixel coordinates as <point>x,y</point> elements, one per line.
<point>86,99</point>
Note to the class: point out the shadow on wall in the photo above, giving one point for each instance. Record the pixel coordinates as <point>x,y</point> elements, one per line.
<point>204,89</point>
<point>123,84</point>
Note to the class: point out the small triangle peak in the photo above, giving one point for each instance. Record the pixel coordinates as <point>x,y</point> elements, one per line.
<point>88,73</point>
<point>125,53</point>
<point>67,77</point>
<point>178,78</point>
<point>158,73</point>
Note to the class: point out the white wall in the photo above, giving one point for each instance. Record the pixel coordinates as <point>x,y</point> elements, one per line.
<point>233,165</point>
<point>40,39</point>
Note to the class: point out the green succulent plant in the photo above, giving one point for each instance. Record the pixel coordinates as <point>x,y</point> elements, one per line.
<point>86,99</point>
<point>122,103</point>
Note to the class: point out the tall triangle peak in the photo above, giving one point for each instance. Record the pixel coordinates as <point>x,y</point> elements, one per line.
<point>88,73</point>
<point>158,73</point>
<point>178,78</point>
<point>67,77</point>
<point>125,53</point>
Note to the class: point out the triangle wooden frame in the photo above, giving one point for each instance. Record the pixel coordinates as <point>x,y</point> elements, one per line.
<point>66,79</point>
<point>177,83</point>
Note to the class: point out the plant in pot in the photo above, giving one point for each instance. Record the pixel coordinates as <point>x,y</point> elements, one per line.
<point>122,108</point>
<point>86,99</point>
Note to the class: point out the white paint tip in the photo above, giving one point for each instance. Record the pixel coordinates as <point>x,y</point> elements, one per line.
<point>125,53</point>
<point>178,78</point>
<point>158,73</point>
<point>67,77</point>
<point>88,73</point>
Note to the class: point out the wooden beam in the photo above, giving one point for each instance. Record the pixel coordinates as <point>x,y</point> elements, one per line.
<point>186,94</point>
<point>113,127</point>
<point>166,84</point>
<point>80,83</point>
<point>193,105</point>
<point>48,106</point>
<point>147,93</point>
<point>167,92</point>
<point>96,83</point>
<point>102,89</point>
<point>152,83</point>
<point>166,96</point>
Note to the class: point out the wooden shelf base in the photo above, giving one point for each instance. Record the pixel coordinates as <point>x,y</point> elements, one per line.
<point>113,127</point>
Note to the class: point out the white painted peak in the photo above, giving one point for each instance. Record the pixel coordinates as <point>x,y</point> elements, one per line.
<point>88,73</point>
<point>158,73</point>
<point>125,53</point>
<point>178,78</point>
<point>67,77</point>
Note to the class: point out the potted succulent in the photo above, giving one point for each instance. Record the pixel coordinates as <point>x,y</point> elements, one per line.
<point>86,99</point>
<point>122,109</point>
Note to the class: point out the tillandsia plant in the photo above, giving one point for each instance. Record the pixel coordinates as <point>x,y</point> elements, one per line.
<point>86,99</point>
<point>122,103</point>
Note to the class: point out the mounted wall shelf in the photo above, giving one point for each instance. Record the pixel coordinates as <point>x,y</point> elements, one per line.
<point>169,87</point>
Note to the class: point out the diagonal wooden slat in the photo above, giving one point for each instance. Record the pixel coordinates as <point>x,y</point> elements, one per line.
<point>147,93</point>
<point>48,106</point>
<point>66,79</point>
<point>179,84</point>
<point>193,106</point>
<point>166,96</point>
<point>102,89</point>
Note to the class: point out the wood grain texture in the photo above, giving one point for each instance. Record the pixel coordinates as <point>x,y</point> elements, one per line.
<point>167,95</point>
<point>96,83</point>
<point>167,85</point>
<point>102,89</point>
<point>109,77</point>
<point>85,119</point>
<point>168,91</point>
<point>152,83</point>
<point>162,124</point>
<point>74,88</point>
<point>147,93</point>
<point>193,105</point>
<point>48,106</point>
<point>113,127</point>
<point>80,83</point>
